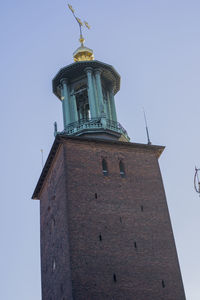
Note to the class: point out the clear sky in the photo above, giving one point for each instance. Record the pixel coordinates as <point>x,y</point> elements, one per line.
<point>155,46</point>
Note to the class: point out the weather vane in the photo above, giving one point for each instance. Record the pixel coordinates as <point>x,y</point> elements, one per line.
<point>196,181</point>
<point>80,23</point>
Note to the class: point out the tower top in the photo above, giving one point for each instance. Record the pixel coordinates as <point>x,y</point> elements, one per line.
<point>82,53</point>
<point>86,89</point>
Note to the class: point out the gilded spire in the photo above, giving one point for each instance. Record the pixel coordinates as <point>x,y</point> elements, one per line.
<point>82,53</point>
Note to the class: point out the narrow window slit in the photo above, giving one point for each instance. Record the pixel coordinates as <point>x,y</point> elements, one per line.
<point>95,195</point>
<point>54,265</point>
<point>142,208</point>
<point>135,245</point>
<point>104,167</point>
<point>100,237</point>
<point>121,169</point>
<point>120,219</point>
<point>163,284</point>
<point>114,278</point>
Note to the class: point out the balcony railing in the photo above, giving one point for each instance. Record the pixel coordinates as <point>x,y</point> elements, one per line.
<point>93,123</point>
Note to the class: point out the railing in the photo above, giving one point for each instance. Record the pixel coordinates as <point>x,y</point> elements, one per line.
<point>94,123</point>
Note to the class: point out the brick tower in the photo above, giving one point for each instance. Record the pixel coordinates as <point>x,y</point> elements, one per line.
<point>105,226</point>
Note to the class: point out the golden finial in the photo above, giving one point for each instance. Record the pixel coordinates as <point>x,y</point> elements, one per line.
<point>82,53</point>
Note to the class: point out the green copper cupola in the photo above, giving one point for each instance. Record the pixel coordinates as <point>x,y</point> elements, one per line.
<point>86,89</point>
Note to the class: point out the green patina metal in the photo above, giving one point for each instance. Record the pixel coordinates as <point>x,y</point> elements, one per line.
<point>87,90</point>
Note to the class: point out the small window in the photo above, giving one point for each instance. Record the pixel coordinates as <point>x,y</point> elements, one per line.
<point>100,237</point>
<point>135,245</point>
<point>142,208</point>
<point>122,169</point>
<point>95,195</point>
<point>163,284</point>
<point>104,167</point>
<point>53,222</point>
<point>54,265</point>
<point>114,278</point>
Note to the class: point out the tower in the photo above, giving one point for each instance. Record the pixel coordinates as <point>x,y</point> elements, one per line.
<point>105,226</point>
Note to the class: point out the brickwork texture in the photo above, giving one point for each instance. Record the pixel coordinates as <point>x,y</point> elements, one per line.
<point>104,236</point>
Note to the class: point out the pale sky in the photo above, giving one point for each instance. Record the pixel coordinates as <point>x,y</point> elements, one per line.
<point>155,47</point>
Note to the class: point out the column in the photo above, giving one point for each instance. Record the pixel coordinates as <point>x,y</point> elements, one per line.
<point>74,116</point>
<point>108,106</point>
<point>99,91</point>
<point>65,102</point>
<point>112,105</point>
<point>91,97</point>
<point>96,97</point>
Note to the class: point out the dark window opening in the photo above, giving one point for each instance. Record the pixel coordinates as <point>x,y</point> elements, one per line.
<point>142,208</point>
<point>114,278</point>
<point>104,167</point>
<point>95,195</point>
<point>82,103</point>
<point>122,169</point>
<point>54,265</point>
<point>100,237</point>
<point>61,289</point>
<point>135,245</point>
<point>120,220</point>
<point>163,284</point>
<point>53,222</point>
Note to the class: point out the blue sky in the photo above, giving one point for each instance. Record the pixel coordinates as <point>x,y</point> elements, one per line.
<point>155,46</point>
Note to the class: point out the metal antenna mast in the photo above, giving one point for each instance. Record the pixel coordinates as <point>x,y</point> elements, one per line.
<point>196,181</point>
<point>147,131</point>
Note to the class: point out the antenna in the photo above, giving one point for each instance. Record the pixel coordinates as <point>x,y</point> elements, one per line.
<point>147,131</point>
<point>42,158</point>
<point>196,181</point>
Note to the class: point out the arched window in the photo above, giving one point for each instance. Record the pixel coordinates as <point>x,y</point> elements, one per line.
<point>104,167</point>
<point>121,169</point>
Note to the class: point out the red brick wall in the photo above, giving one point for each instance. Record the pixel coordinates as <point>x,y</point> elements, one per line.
<point>55,264</point>
<point>124,233</point>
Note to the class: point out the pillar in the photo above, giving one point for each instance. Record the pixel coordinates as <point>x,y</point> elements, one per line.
<point>65,102</point>
<point>109,107</point>
<point>73,106</point>
<point>96,97</point>
<point>112,105</point>
<point>99,90</point>
<point>91,97</point>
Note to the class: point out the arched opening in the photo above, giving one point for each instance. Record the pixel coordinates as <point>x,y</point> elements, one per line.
<point>82,103</point>
<point>121,169</point>
<point>104,167</point>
